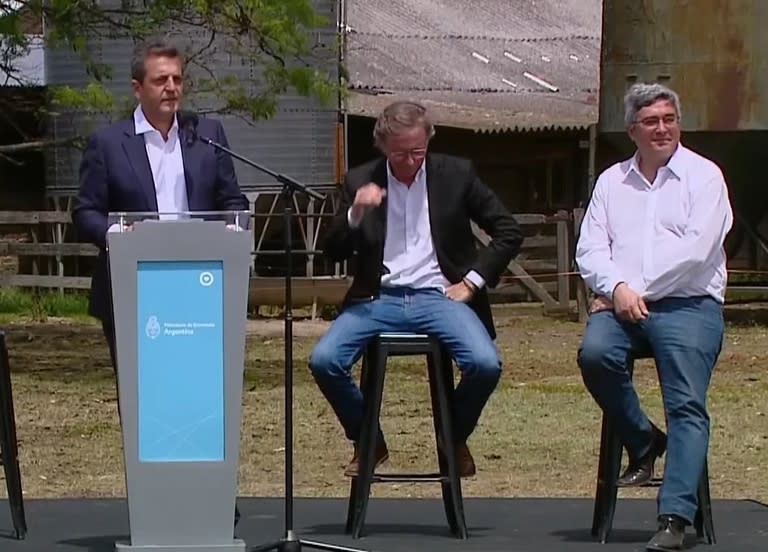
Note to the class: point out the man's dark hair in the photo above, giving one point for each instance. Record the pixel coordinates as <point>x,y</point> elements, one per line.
<point>149,48</point>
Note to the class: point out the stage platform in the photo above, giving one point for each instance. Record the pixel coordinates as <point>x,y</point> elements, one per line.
<point>399,525</point>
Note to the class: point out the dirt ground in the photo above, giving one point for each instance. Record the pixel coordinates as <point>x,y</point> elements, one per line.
<point>539,434</point>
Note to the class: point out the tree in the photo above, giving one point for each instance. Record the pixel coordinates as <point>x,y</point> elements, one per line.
<point>276,39</point>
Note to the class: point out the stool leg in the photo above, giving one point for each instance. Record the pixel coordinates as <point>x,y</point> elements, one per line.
<point>369,435</point>
<point>703,522</point>
<point>9,450</point>
<point>437,416</point>
<point>607,474</point>
<point>351,506</point>
<point>441,388</point>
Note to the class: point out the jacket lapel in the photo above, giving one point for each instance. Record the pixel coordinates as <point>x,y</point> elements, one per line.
<point>435,199</point>
<point>136,151</point>
<point>191,159</point>
<point>379,177</point>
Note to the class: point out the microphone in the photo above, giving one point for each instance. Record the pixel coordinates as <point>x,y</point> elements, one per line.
<point>188,121</point>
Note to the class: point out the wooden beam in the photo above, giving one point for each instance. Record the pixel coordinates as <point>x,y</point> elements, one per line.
<point>48,249</point>
<point>33,280</point>
<point>523,277</point>
<point>34,217</point>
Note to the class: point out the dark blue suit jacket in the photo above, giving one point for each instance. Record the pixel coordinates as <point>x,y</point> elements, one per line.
<point>115,175</point>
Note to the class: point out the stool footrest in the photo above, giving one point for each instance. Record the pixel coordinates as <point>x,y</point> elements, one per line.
<point>409,478</point>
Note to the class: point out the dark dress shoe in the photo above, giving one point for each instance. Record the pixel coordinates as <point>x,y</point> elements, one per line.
<point>639,472</point>
<point>671,534</point>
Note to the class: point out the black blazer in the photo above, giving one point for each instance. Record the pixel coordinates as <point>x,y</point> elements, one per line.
<point>456,196</point>
<point>115,175</point>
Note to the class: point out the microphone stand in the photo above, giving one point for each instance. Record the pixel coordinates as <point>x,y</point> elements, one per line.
<point>290,542</point>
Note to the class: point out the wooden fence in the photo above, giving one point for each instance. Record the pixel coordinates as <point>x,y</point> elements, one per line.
<point>41,251</point>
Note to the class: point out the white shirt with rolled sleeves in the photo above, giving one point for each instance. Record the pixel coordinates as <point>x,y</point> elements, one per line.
<point>409,253</point>
<point>663,239</point>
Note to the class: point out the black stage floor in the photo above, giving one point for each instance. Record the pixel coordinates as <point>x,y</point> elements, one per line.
<point>508,525</point>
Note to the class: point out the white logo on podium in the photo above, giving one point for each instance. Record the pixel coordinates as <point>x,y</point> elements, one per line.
<point>206,279</point>
<point>152,328</point>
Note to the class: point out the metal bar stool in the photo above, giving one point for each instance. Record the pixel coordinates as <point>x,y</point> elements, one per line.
<point>440,372</point>
<point>9,449</point>
<point>608,473</point>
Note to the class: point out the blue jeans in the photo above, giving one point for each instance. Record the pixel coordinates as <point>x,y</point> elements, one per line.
<point>684,336</point>
<point>425,311</point>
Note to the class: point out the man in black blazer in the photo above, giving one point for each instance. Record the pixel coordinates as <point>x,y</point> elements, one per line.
<point>405,221</point>
<point>149,163</point>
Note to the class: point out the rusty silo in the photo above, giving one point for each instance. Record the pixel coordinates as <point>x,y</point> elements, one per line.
<point>712,53</point>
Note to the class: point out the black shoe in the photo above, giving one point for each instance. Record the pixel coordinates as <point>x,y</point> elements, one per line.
<point>639,472</point>
<point>671,534</point>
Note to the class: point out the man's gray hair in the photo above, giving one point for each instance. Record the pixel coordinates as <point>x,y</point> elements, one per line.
<point>642,95</point>
<point>400,116</point>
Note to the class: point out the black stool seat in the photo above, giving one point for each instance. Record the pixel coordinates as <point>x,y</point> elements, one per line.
<point>440,372</point>
<point>9,450</point>
<point>606,493</point>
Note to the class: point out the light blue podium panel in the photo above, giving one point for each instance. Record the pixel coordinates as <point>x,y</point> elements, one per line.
<point>180,293</point>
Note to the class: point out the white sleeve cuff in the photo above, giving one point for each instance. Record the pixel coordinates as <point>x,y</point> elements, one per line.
<point>353,222</point>
<point>475,278</point>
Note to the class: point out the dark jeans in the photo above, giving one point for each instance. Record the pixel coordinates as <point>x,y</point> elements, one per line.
<point>415,311</point>
<point>684,336</point>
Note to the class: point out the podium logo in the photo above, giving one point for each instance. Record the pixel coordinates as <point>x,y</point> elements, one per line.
<point>206,279</point>
<point>152,329</point>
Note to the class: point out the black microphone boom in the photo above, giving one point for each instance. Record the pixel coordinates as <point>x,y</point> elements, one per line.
<point>290,542</point>
<point>283,179</point>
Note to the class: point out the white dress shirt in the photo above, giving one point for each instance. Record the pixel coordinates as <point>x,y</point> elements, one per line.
<point>166,163</point>
<point>663,239</point>
<point>409,252</point>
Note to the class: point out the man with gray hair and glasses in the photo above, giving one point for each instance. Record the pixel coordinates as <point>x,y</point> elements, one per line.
<point>651,248</point>
<point>406,218</point>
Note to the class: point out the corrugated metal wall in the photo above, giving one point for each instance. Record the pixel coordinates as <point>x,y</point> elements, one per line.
<point>710,51</point>
<point>300,140</point>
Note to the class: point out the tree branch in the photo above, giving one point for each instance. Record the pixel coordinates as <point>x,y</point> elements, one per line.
<point>38,145</point>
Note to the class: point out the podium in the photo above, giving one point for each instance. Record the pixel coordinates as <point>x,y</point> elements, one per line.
<point>179,292</point>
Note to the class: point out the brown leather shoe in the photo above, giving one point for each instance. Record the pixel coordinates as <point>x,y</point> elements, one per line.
<point>353,468</point>
<point>466,463</point>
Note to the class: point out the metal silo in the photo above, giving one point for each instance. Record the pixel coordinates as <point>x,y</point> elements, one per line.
<point>712,53</point>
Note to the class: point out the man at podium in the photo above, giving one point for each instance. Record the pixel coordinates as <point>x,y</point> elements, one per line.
<point>149,162</point>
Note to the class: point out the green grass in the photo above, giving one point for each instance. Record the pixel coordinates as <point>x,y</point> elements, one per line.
<point>18,303</point>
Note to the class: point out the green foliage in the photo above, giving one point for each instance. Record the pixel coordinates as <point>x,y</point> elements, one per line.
<point>40,305</point>
<point>276,40</point>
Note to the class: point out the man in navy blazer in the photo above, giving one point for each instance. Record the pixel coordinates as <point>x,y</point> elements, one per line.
<point>149,163</point>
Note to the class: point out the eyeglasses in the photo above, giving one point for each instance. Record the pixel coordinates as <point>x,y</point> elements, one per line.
<point>653,122</point>
<point>417,153</point>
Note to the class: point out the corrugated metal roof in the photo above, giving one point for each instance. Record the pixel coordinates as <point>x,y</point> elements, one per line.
<point>482,64</point>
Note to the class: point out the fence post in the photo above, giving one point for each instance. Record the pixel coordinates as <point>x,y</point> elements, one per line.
<point>581,288</point>
<point>563,262</point>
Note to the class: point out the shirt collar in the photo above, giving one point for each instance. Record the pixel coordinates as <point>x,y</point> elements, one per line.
<point>143,126</point>
<point>675,163</point>
<point>419,174</point>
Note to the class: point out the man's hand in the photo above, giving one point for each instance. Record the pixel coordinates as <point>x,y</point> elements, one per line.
<point>600,303</point>
<point>367,197</point>
<point>461,292</point>
<point>628,305</point>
